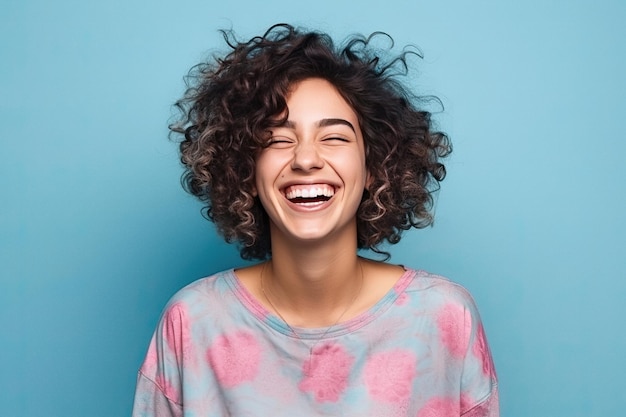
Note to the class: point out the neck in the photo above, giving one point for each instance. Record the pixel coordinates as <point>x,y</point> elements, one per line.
<point>312,285</point>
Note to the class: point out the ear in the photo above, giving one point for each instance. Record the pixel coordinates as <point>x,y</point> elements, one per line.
<point>368,180</point>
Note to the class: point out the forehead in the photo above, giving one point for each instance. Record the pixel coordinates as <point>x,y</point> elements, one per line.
<point>318,98</point>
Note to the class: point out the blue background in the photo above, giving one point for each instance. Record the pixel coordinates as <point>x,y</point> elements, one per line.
<point>96,233</point>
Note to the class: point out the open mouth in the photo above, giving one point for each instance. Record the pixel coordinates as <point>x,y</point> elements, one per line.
<point>309,194</point>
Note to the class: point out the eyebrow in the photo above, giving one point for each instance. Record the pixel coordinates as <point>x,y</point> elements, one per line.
<point>323,123</point>
<point>333,122</point>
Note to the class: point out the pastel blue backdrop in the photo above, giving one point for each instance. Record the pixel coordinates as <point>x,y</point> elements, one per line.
<point>96,233</point>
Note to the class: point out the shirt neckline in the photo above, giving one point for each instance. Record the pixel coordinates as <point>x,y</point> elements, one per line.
<point>272,320</point>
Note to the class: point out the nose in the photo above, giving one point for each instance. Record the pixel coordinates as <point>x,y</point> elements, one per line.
<point>306,157</point>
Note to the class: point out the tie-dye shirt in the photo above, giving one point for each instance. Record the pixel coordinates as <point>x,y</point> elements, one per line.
<point>420,351</point>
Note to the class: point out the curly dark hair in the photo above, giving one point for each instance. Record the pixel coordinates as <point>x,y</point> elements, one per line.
<point>231,102</point>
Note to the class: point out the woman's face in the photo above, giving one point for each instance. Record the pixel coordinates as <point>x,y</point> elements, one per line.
<point>311,177</point>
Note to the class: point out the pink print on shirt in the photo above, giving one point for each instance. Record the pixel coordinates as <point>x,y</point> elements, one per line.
<point>481,351</point>
<point>455,326</point>
<point>176,330</point>
<point>389,375</point>
<point>235,358</point>
<point>150,363</point>
<point>168,389</point>
<point>326,372</point>
<point>440,407</point>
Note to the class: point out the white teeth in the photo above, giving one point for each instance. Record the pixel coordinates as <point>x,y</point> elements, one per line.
<point>309,191</point>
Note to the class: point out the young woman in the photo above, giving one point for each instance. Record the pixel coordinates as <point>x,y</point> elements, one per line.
<point>305,153</point>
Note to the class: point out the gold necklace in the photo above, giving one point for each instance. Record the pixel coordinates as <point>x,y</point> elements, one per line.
<point>296,334</point>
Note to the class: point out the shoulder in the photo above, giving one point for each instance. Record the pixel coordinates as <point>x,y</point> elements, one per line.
<point>438,291</point>
<point>202,293</point>
<point>218,282</point>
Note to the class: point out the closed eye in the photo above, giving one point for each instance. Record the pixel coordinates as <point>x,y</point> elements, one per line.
<point>279,141</point>
<point>336,138</point>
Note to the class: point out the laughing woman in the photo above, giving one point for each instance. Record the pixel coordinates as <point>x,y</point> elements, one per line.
<point>305,153</point>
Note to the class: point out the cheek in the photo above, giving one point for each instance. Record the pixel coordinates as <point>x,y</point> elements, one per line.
<point>369,179</point>
<point>260,172</point>
<point>264,178</point>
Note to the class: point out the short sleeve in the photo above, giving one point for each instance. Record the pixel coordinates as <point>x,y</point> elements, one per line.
<point>479,386</point>
<point>159,382</point>
<point>151,402</point>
